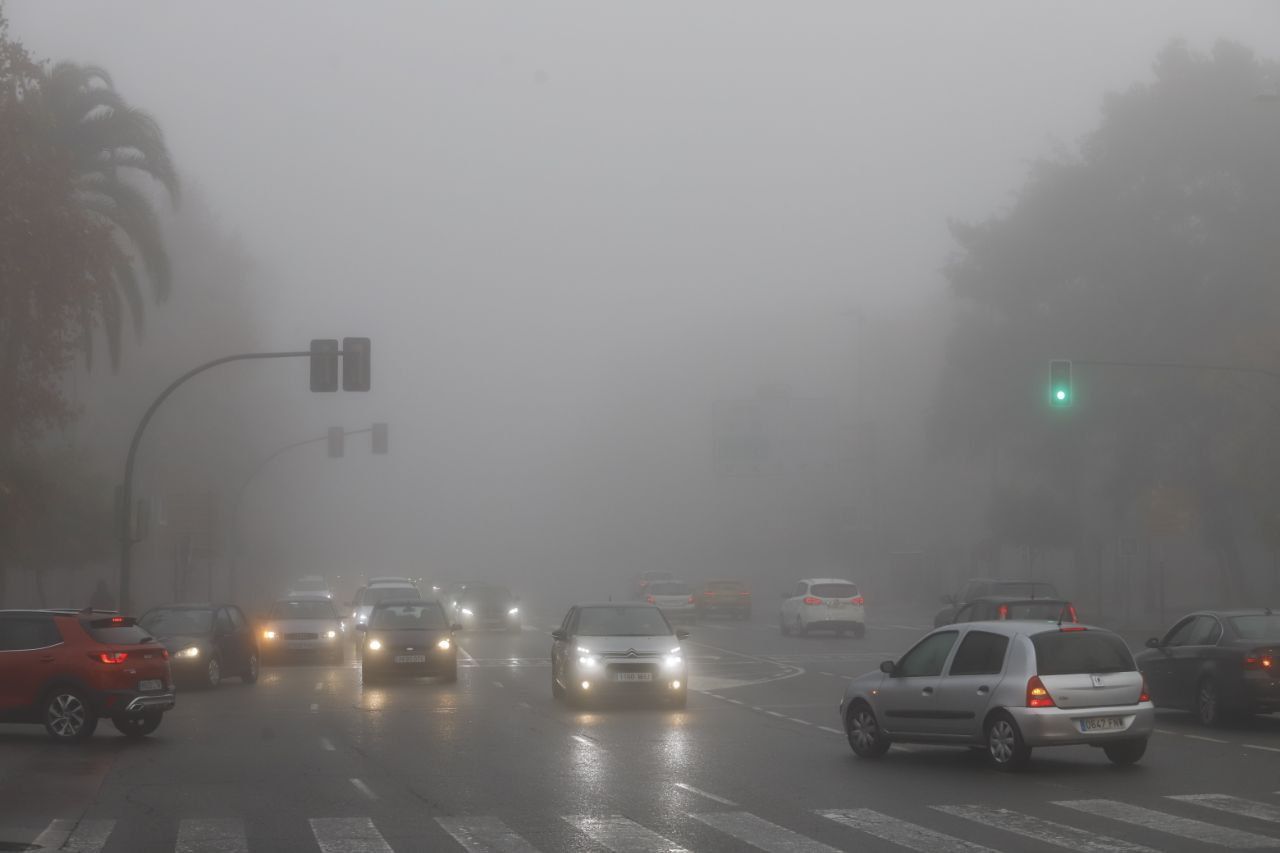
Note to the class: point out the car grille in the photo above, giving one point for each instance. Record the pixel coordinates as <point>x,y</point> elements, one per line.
<point>302,636</point>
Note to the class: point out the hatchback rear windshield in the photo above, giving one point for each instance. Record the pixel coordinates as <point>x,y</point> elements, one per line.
<point>834,590</point>
<point>117,631</point>
<point>177,621</point>
<point>425,617</point>
<point>1037,610</point>
<point>1260,627</point>
<point>374,594</point>
<point>669,588</point>
<point>1030,589</point>
<point>1074,652</point>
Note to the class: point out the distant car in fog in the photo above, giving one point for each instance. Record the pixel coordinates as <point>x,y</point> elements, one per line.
<point>408,638</point>
<point>1216,664</point>
<point>206,642</point>
<point>984,587</point>
<point>305,627</point>
<point>723,596</point>
<point>311,585</point>
<point>380,589</point>
<point>644,579</point>
<point>823,604</point>
<point>615,650</point>
<point>1001,607</point>
<point>675,599</point>
<point>478,606</point>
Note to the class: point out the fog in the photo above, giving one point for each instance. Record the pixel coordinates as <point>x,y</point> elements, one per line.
<point>576,232</point>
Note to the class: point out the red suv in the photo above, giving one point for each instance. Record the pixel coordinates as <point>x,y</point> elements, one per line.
<point>68,668</point>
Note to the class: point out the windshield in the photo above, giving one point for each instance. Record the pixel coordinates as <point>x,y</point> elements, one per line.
<point>176,621</point>
<point>428,617</point>
<point>834,590</point>
<point>486,595</point>
<point>622,622</point>
<point>1078,652</point>
<point>1260,627</point>
<point>375,594</point>
<point>310,584</point>
<point>320,608</point>
<point>669,588</point>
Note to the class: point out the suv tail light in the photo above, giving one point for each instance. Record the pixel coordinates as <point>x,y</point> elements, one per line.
<point>809,599</point>
<point>110,657</point>
<point>1038,695</point>
<point>1263,659</point>
<point>857,599</point>
<point>649,599</point>
<point>1144,696</point>
<point>1003,611</point>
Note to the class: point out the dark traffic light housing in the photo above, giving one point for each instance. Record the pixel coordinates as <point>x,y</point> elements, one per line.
<point>324,364</point>
<point>356,374</point>
<point>1060,393</point>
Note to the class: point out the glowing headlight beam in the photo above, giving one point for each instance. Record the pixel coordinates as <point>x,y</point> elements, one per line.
<point>374,645</point>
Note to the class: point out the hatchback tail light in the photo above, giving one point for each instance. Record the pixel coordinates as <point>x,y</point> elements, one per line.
<point>1038,695</point>
<point>1003,611</point>
<point>649,599</point>
<point>1263,659</point>
<point>1144,696</point>
<point>809,599</point>
<point>110,657</point>
<point>857,599</point>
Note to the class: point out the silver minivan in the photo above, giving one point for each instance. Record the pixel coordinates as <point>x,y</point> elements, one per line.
<point>1008,687</point>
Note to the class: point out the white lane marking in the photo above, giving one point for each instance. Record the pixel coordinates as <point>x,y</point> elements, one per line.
<point>525,705</point>
<point>586,741</point>
<point>484,835</point>
<point>326,744</point>
<point>1208,739</point>
<point>348,835</point>
<point>1232,805</point>
<point>1183,827</point>
<point>829,729</point>
<point>1165,732</point>
<point>617,833</point>
<point>776,714</point>
<point>758,832</point>
<point>360,786</point>
<point>465,655</point>
<point>800,721</point>
<point>86,836</point>
<point>315,708</point>
<point>901,832</point>
<point>497,684</point>
<point>1260,746</point>
<point>213,835</point>
<point>707,794</point>
<point>734,701</point>
<point>1058,834</point>
<point>794,669</point>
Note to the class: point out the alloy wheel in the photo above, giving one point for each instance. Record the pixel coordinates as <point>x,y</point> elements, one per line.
<point>66,715</point>
<point>863,730</point>
<point>1207,703</point>
<point>1002,741</point>
<point>214,672</point>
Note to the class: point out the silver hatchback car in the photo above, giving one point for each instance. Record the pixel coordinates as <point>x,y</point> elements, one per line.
<point>1007,687</point>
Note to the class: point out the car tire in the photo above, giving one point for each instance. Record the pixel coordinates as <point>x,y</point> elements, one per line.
<point>859,630</point>
<point>1208,703</point>
<point>866,738</point>
<point>139,725</point>
<point>1006,750</point>
<point>1126,752</point>
<point>68,716</point>
<point>557,692</point>
<point>212,673</point>
<point>251,670</point>
<point>782,626</point>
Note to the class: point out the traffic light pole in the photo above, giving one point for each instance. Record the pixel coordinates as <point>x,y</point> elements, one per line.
<point>125,531</point>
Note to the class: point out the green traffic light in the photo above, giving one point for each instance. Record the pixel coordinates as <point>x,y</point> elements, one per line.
<point>1061,395</point>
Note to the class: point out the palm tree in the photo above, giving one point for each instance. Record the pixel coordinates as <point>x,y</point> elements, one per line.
<point>110,144</point>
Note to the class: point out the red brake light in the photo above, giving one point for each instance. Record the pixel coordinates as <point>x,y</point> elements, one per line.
<point>691,599</point>
<point>116,620</point>
<point>164,654</point>
<point>857,599</point>
<point>111,657</point>
<point>1038,695</point>
<point>1003,611</point>
<point>1071,611</point>
<point>1073,628</point>
<point>649,599</point>
<point>809,599</point>
<point>1144,696</point>
<point>1263,659</point>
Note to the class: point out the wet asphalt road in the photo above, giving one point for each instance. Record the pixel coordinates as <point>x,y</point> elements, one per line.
<point>309,760</point>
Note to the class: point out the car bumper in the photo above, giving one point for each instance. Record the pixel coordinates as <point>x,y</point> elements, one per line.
<point>1064,726</point>
<point>831,617</point>
<point>434,665</point>
<point>687,611</point>
<point>130,702</point>
<point>1262,692</point>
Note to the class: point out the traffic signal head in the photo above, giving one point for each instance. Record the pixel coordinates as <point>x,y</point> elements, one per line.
<point>1060,395</point>
<point>355,364</point>
<point>324,364</point>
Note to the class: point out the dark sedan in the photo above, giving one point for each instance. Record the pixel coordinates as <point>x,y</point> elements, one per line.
<point>408,638</point>
<point>206,642</point>
<point>1216,664</point>
<point>994,608</point>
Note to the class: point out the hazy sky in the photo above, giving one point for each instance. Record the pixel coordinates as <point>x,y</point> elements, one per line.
<point>559,219</point>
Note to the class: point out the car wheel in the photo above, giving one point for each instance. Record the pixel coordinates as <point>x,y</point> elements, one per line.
<point>1208,703</point>
<point>213,672</point>
<point>557,692</point>
<point>866,738</point>
<point>68,715</point>
<point>1126,752</point>
<point>250,674</point>
<point>782,626</point>
<point>859,630</point>
<point>138,726</point>
<point>1005,747</point>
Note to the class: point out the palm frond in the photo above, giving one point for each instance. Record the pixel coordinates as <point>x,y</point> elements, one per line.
<point>130,211</point>
<point>127,283</point>
<point>130,131</point>
<point>111,324</point>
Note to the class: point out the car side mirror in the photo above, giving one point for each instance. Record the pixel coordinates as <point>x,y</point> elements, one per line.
<point>1153,643</point>
<point>682,634</point>
<point>558,634</point>
<point>887,667</point>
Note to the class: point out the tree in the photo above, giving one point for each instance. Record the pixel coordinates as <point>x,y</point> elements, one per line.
<point>1157,241</point>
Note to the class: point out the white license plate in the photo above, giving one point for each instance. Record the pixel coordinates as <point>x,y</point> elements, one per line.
<point>150,684</point>
<point>634,676</point>
<point>411,658</point>
<point>836,604</point>
<point>1101,724</point>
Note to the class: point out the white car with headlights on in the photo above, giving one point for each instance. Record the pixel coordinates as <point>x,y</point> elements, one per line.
<point>485,607</point>
<point>618,650</point>
<point>303,628</point>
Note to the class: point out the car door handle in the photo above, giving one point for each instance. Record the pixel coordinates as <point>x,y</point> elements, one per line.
<point>927,691</point>
<point>984,689</point>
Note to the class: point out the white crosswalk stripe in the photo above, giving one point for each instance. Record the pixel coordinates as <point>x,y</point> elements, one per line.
<point>348,835</point>
<point>484,835</point>
<point>621,835</point>
<point>1183,827</point>
<point>224,835</point>
<point>1047,831</point>
<point>1233,805</point>
<point>86,836</point>
<point>900,832</point>
<point>760,833</point>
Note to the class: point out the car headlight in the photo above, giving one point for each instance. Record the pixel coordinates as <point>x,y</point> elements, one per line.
<point>467,612</point>
<point>188,652</point>
<point>268,635</point>
<point>513,611</point>
<point>672,661</point>
<point>444,645</point>
<point>331,634</point>
<point>586,659</point>
<point>374,645</point>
